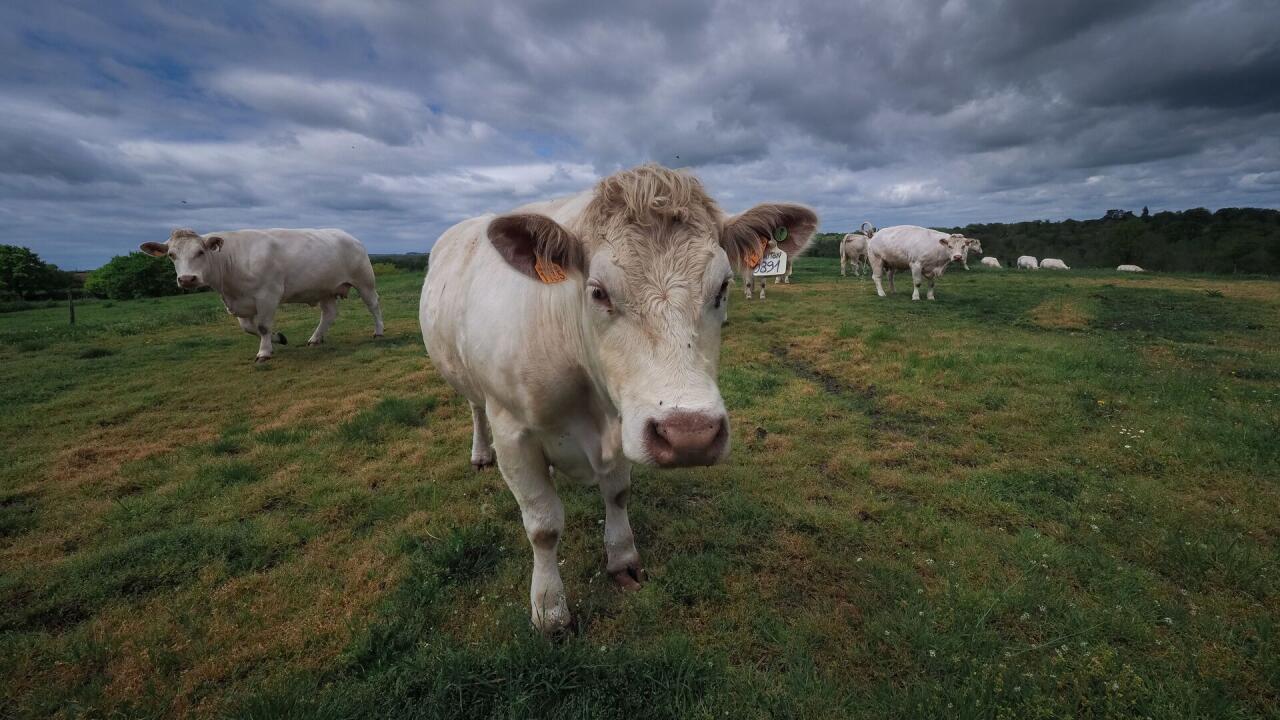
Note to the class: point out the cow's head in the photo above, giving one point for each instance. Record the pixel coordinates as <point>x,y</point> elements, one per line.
<point>652,258</point>
<point>955,244</point>
<point>974,245</point>
<point>190,254</point>
<point>867,229</point>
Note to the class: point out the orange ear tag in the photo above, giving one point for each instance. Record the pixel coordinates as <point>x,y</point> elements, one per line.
<point>756,255</point>
<point>548,272</point>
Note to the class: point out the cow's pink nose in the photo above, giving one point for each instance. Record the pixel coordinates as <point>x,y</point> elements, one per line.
<point>956,258</point>
<point>187,280</point>
<point>681,439</point>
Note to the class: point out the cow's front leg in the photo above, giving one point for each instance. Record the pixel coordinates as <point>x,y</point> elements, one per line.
<point>328,313</point>
<point>481,439</point>
<point>524,467</point>
<point>917,277</point>
<point>263,321</point>
<point>622,558</point>
<point>931,278</point>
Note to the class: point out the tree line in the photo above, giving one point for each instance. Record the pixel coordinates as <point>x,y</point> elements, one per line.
<point>1231,240</point>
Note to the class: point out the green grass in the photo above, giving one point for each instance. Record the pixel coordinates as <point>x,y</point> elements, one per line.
<point>1042,496</point>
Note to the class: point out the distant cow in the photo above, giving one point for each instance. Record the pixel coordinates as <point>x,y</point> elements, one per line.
<point>853,248</point>
<point>1026,262</point>
<point>1053,264</point>
<point>256,270</point>
<point>973,246</point>
<point>1129,268</point>
<point>585,332</point>
<point>926,253</point>
<point>749,278</point>
<point>990,262</point>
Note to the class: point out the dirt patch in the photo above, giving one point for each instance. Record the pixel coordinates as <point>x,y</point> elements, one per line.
<point>1059,314</point>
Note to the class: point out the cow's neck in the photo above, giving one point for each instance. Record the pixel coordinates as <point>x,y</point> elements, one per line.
<point>218,274</point>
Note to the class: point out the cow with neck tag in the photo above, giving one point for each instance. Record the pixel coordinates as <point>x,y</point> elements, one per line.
<point>585,333</point>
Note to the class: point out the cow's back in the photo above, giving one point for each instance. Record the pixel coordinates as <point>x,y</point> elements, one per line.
<point>900,245</point>
<point>306,264</point>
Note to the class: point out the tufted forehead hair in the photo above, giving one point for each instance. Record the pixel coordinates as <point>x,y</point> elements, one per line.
<point>183,233</point>
<point>652,197</point>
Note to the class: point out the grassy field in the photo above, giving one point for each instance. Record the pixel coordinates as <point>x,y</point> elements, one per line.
<point>1044,495</point>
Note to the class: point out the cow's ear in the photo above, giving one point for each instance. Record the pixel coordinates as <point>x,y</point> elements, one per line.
<point>154,249</point>
<point>943,241</point>
<point>791,225</point>
<point>213,243</point>
<point>537,246</point>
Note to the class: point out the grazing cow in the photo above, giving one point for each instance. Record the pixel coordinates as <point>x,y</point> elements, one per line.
<point>256,270</point>
<point>973,246</point>
<point>585,333</point>
<point>926,253</point>
<point>990,262</point>
<point>853,248</point>
<point>1026,262</point>
<point>1053,264</point>
<point>1129,268</point>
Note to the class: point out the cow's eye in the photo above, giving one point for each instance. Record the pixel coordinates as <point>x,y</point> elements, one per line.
<point>720,294</point>
<point>600,296</point>
<point>199,253</point>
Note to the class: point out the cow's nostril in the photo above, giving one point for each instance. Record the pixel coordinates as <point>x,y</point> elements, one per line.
<point>687,438</point>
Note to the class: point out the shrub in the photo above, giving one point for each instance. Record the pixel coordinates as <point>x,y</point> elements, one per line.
<point>385,268</point>
<point>132,276</point>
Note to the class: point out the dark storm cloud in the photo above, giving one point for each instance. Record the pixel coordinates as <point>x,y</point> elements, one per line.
<point>396,118</point>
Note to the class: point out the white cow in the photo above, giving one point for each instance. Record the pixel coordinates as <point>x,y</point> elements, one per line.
<point>990,262</point>
<point>926,253</point>
<point>1053,264</point>
<point>1129,268</point>
<point>853,248</point>
<point>1026,262</point>
<point>585,332</point>
<point>256,270</point>
<point>973,246</point>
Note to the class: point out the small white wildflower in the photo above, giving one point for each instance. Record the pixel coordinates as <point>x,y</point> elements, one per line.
<point>933,653</point>
<point>1025,616</point>
<point>858,560</point>
<point>1093,527</point>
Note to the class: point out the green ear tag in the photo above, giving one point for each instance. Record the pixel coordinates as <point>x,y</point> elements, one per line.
<point>780,234</point>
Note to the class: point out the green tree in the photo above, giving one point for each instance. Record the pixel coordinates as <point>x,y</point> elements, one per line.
<point>23,273</point>
<point>131,276</point>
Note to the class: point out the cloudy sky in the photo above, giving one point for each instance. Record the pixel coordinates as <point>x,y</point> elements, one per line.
<point>393,120</point>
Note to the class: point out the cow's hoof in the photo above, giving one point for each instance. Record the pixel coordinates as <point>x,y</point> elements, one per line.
<point>377,335</point>
<point>313,343</point>
<point>280,338</point>
<point>630,578</point>
<point>552,620</point>
<point>481,465</point>
<point>261,359</point>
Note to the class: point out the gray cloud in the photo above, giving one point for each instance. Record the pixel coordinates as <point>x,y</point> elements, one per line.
<point>396,118</point>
